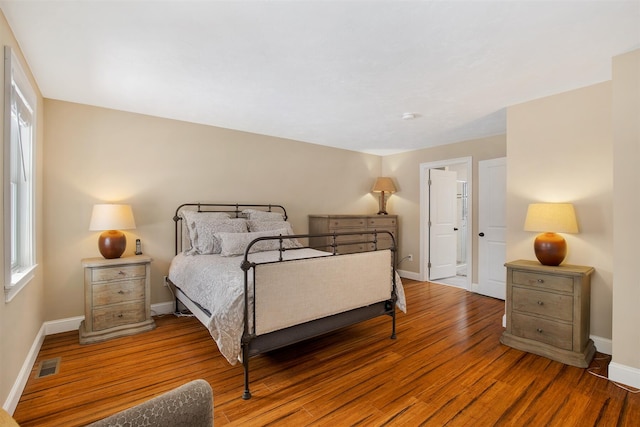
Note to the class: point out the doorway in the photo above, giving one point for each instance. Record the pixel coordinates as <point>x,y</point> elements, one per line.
<point>460,275</point>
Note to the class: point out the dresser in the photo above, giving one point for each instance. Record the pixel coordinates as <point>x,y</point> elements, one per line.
<point>116,298</point>
<point>548,311</point>
<point>319,224</point>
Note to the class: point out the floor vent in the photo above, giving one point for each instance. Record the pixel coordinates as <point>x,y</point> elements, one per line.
<point>48,367</point>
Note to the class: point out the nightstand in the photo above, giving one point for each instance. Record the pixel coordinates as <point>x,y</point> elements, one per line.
<point>116,298</point>
<point>548,311</point>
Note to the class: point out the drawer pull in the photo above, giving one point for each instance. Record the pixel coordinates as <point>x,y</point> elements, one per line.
<point>120,315</point>
<point>540,302</point>
<point>122,273</point>
<point>121,292</point>
<point>540,280</point>
<point>539,330</point>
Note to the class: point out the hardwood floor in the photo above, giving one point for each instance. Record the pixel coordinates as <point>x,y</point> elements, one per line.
<point>447,367</point>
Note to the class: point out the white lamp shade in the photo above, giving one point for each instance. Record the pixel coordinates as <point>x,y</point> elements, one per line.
<point>551,217</point>
<point>112,217</point>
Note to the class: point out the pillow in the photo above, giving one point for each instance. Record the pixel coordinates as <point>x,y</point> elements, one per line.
<point>274,225</point>
<point>204,229</point>
<point>235,243</point>
<point>253,214</point>
<point>189,218</point>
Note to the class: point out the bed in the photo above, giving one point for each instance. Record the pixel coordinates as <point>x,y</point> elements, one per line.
<point>257,286</point>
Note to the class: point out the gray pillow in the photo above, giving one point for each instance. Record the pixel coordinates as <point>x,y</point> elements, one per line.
<point>203,229</point>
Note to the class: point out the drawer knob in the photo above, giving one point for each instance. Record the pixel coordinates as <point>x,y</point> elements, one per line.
<point>540,280</point>
<point>540,302</point>
<point>121,292</point>
<point>539,330</point>
<point>121,273</point>
<point>120,315</point>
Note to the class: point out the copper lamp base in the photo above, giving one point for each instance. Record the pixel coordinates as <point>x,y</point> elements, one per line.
<point>550,248</point>
<point>112,244</point>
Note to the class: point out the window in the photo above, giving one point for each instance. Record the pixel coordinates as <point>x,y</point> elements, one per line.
<point>19,176</point>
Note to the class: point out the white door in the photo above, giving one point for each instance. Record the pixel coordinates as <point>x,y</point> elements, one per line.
<point>442,223</point>
<point>492,189</point>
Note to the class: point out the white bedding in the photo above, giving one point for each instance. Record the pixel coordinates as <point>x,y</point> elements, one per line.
<point>216,283</point>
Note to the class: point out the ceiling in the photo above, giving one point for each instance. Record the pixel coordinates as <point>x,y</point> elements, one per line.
<point>335,73</point>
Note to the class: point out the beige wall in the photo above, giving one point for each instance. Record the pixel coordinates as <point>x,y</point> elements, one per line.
<point>405,169</point>
<point>560,149</point>
<point>21,319</point>
<point>98,155</point>
<point>626,203</point>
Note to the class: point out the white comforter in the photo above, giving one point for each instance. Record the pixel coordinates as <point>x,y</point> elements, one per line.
<point>217,284</point>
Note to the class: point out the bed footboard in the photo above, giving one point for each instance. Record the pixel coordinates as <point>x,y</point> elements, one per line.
<point>300,299</point>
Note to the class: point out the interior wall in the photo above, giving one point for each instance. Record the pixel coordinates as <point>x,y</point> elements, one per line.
<point>22,317</point>
<point>405,169</point>
<point>559,149</point>
<point>626,203</point>
<point>98,155</point>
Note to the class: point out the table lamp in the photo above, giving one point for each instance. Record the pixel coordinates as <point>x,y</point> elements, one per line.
<point>550,218</point>
<point>383,185</point>
<point>111,218</point>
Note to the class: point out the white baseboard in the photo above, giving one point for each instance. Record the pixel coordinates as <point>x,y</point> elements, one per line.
<point>624,374</point>
<point>163,308</point>
<point>603,345</point>
<point>63,325</point>
<point>18,386</point>
<point>409,274</point>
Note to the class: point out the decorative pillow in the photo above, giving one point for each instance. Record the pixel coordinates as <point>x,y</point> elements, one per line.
<point>189,218</point>
<point>235,243</point>
<point>204,229</point>
<point>274,225</point>
<point>253,214</point>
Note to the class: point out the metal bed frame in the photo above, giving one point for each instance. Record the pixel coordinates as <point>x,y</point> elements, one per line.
<point>253,344</point>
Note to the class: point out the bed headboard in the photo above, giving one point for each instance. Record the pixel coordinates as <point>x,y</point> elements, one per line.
<point>233,209</point>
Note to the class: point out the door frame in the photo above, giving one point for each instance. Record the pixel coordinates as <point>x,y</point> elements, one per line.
<point>424,214</point>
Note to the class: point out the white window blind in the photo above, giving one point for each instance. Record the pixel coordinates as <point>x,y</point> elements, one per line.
<point>19,174</point>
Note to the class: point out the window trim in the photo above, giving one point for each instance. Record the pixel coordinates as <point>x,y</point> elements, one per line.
<point>16,279</point>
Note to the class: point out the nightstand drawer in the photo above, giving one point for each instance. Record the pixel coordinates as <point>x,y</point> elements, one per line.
<point>381,222</point>
<point>557,306</point>
<point>336,223</point>
<point>541,280</point>
<point>115,292</point>
<point>119,314</point>
<point>551,332</point>
<point>121,272</point>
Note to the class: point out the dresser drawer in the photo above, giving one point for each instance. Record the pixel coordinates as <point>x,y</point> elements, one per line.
<point>557,306</point>
<point>349,249</point>
<point>554,333</point>
<point>120,291</point>
<point>337,223</point>
<point>351,238</point>
<point>381,222</point>
<point>382,244</point>
<point>382,236</point>
<point>118,314</point>
<point>121,272</point>
<point>542,280</point>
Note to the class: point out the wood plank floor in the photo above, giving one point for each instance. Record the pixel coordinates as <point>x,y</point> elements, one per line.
<point>447,367</point>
